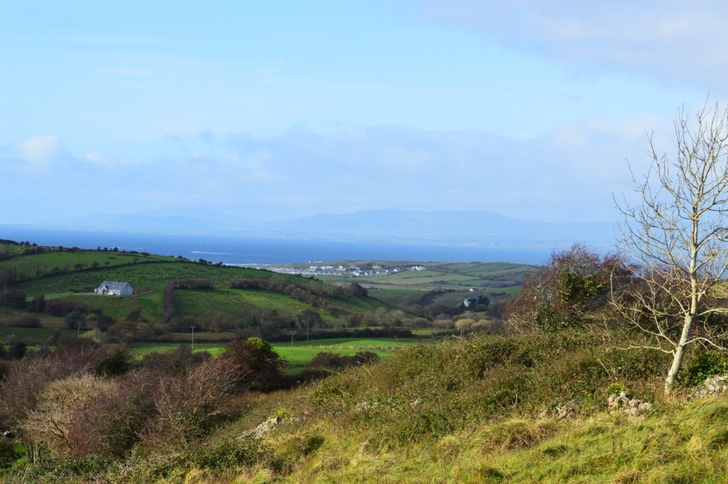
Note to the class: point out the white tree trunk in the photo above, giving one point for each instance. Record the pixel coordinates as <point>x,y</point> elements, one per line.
<point>678,355</point>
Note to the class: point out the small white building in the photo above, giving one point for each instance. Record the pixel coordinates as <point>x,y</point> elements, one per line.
<point>115,288</point>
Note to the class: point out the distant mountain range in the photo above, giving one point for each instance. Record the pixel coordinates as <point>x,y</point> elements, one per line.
<point>470,227</point>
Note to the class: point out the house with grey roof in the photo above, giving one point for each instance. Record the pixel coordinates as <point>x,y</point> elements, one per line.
<point>115,288</point>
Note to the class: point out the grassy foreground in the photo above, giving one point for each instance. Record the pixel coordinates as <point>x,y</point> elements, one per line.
<point>478,410</point>
<point>682,442</point>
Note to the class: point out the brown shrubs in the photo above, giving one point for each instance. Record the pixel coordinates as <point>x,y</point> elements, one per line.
<point>189,406</point>
<point>26,380</point>
<point>113,422</point>
<point>49,423</point>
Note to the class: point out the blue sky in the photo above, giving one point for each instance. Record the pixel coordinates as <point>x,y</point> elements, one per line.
<point>281,109</point>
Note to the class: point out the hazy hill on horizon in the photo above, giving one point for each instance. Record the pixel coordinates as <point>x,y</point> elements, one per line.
<point>472,227</point>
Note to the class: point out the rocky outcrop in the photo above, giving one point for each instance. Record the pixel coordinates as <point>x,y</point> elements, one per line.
<point>715,385</point>
<point>263,428</point>
<point>570,409</point>
<point>623,402</point>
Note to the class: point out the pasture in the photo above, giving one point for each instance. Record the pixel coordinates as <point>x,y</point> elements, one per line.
<point>491,277</point>
<point>149,279</point>
<point>298,353</point>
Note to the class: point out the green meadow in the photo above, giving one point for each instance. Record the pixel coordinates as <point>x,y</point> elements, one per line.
<point>298,353</point>
<point>499,277</point>
<point>148,277</point>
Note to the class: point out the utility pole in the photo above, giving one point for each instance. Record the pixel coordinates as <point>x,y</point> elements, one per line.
<point>290,356</point>
<point>78,328</point>
<point>193,337</point>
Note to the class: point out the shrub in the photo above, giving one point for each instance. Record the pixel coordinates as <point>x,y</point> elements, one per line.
<point>111,360</point>
<point>258,365</point>
<point>17,350</point>
<point>61,307</point>
<point>37,305</point>
<point>27,379</point>
<point>357,290</point>
<point>7,453</point>
<point>188,406</point>
<point>134,315</point>
<point>704,364</point>
<point>173,363</point>
<point>127,331</point>
<point>13,299</point>
<point>73,342</point>
<point>48,424</point>
<point>464,324</point>
<point>567,292</point>
<point>23,321</point>
<point>110,424</point>
<point>103,322</point>
<point>75,320</point>
<point>443,324</point>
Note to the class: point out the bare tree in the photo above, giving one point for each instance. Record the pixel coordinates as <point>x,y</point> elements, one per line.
<point>674,240</point>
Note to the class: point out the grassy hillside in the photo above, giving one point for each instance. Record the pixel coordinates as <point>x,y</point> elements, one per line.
<point>479,410</point>
<point>149,277</point>
<point>44,262</point>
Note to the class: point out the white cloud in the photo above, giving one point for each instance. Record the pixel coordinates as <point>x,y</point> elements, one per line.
<point>568,175</point>
<point>670,41</point>
<point>41,150</point>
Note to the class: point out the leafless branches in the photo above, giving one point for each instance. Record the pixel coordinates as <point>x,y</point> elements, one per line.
<point>677,235</point>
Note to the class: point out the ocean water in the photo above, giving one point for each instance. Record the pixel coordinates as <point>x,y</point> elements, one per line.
<point>238,250</point>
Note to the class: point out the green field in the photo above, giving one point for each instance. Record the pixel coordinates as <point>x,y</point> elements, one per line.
<point>33,336</point>
<point>35,265</point>
<point>497,277</point>
<point>300,352</point>
<point>141,349</point>
<point>148,280</point>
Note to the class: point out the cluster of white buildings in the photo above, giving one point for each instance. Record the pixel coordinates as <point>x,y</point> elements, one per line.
<point>351,271</point>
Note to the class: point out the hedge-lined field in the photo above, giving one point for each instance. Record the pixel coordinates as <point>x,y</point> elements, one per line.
<point>300,352</point>
<point>149,275</point>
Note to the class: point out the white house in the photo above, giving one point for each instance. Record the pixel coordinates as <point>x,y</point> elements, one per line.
<point>115,288</point>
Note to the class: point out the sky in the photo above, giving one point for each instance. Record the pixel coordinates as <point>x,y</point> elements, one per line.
<point>281,109</point>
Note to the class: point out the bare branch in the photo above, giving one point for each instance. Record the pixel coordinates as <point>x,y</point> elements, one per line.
<point>677,236</point>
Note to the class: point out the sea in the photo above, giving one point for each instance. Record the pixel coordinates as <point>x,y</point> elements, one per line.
<point>267,251</point>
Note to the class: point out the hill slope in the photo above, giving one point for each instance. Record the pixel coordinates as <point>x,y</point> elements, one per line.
<point>202,291</point>
<point>480,410</point>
